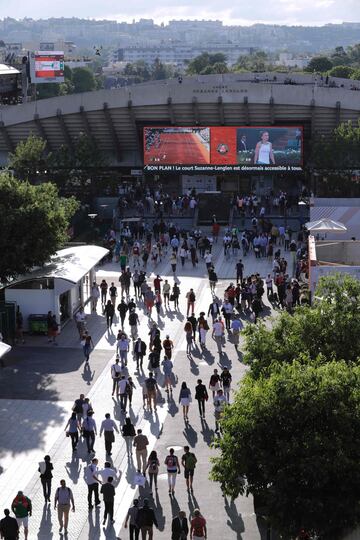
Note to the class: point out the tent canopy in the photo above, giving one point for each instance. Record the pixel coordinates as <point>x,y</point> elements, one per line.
<point>325,225</point>
<point>4,348</point>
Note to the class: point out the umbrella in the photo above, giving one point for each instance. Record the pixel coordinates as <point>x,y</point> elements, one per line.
<point>325,225</point>
<point>4,348</point>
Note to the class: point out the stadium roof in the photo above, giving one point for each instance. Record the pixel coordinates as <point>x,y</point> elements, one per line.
<point>115,118</point>
<point>8,70</point>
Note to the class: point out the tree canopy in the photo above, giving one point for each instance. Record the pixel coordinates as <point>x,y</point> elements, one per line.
<point>327,330</point>
<point>34,221</point>
<point>29,156</point>
<point>83,80</point>
<point>292,440</point>
<point>205,62</point>
<point>339,151</point>
<point>319,64</point>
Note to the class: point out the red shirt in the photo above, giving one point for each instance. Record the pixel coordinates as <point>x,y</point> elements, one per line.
<point>198,526</point>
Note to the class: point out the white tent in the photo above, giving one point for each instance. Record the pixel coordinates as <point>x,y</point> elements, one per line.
<point>325,225</point>
<point>4,348</point>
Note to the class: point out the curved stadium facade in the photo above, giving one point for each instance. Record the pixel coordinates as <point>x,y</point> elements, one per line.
<point>116,118</point>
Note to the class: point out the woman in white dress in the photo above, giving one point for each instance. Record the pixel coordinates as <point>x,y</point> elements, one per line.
<point>264,151</point>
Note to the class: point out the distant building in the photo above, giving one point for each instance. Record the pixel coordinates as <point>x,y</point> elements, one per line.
<point>291,61</point>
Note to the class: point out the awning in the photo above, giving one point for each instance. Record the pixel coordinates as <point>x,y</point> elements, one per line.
<point>4,348</point>
<point>70,264</point>
<point>8,70</point>
<point>325,225</point>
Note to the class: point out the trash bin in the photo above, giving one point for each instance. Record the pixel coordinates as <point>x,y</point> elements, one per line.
<point>38,324</point>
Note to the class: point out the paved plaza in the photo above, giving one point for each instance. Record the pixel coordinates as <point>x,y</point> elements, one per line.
<point>38,387</point>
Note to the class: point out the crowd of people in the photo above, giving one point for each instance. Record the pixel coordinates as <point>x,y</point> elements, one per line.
<point>138,251</point>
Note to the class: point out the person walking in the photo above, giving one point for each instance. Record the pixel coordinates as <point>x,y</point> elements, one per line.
<point>89,431</point>
<point>113,293</point>
<point>189,336</point>
<point>91,475</point>
<point>128,432</point>
<point>236,327</point>
<point>22,508</point>
<point>146,520</point>
<point>218,334</point>
<point>214,384</point>
<point>103,290</point>
<point>166,288</point>
<point>219,404</point>
<point>203,329</point>
<point>9,528</point>
<point>122,309</point>
<point>185,399</point>
<point>87,345</point>
<point>168,346</point>
<point>226,379</point>
<point>78,407</point>
<point>109,312</point>
<point>45,468</point>
<point>134,322</point>
<point>188,461</point>
<point>63,499</point>
<point>227,310</point>
<point>152,467</point>
<point>201,396</point>
<point>152,389</point>
<point>175,295</point>
<point>72,429</point>
<point>214,310</point>
<point>131,518</point>
<point>123,347</point>
<point>108,493</point>
<point>95,295</point>
<point>116,373</point>
<point>179,526</point>
<point>212,279</point>
<point>167,366</point>
<point>139,352</point>
<point>140,444</point>
<point>130,390</point>
<point>190,296</point>
<point>80,320</point>
<point>108,427</point>
<point>173,468</point>
<point>173,262</point>
<point>198,529</point>
<point>123,393</point>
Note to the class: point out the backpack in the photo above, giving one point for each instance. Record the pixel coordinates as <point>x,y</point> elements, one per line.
<point>153,466</point>
<point>150,384</point>
<point>190,461</point>
<point>171,462</point>
<point>197,527</point>
<point>205,325</point>
<point>191,297</point>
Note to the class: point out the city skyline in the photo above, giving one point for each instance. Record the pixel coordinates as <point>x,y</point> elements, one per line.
<point>288,12</point>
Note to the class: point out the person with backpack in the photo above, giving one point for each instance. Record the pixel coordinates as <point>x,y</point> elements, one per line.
<point>198,529</point>
<point>133,322</point>
<point>190,296</point>
<point>116,372</point>
<point>173,468</point>
<point>63,499</point>
<point>152,467</point>
<point>45,468</point>
<point>188,461</point>
<point>22,508</point>
<point>152,388</point>
<point>201,396</point>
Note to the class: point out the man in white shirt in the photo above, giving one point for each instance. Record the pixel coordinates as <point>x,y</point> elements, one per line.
<point>91,476</point>
<point>80,321</point>
<point>219,404</point>
<point>208,259</point>
<point>108,471</point>
<point>227,310</point>
<point>269,285</point>
<point>116,372</point>
<point>108,426</point>
<point>122,391</point>
<point>123,348</point>
<point>89,431</point>
<point>218,332</point>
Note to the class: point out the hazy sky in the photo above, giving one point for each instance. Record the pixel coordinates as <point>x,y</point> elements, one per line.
<point>241,12</point>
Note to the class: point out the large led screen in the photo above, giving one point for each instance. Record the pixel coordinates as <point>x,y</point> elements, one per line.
<point>221,149</point>
<point>47,67</point>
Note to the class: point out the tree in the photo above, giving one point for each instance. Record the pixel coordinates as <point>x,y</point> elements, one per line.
<point>217,68</point>
<point>83,80</point>
<point>328,329</point>
<point>203,63</point>
<point>292,440</point>
<point>319,64</point>
<point>344,72</point>
<point>29,158</point>
<point>33,223</point>
<point>340,150</point>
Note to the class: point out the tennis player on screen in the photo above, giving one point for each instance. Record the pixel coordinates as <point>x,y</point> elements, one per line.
<point>264,154</point>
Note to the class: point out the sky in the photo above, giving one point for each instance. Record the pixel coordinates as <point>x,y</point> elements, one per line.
<point>243,12</point>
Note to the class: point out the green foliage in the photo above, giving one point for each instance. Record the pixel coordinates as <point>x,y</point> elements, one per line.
<point>217,68</point>
<point>34,223</point>
<point>356,74</point>
<point>344,72</point>
<point>292,440</point>
<point>205,61</point>
<point>83,80</point>
<point>29,157</point>
<point>339,151</point>
<point>327,330</point>
<point>319,64</point>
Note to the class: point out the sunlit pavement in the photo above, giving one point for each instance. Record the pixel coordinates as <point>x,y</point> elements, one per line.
<point>44,380</point>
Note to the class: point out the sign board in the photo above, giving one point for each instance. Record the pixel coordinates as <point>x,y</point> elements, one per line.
<point>47,67</point>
